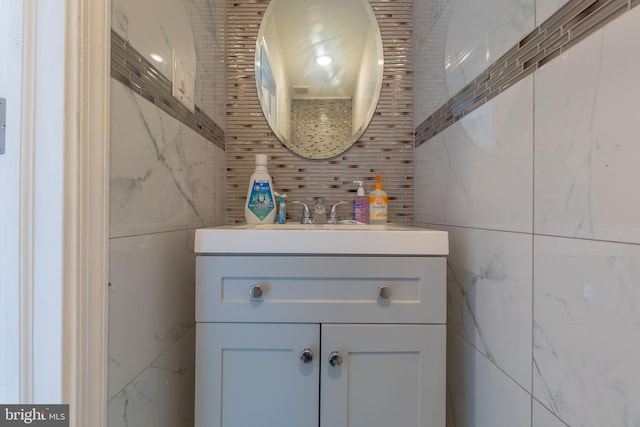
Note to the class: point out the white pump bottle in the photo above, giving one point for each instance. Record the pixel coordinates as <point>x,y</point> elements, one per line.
<point>260,206</point>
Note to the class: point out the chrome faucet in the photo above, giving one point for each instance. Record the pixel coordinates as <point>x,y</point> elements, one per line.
<point>333,213</point>
<point>319,212</point>
<point>306,215</point>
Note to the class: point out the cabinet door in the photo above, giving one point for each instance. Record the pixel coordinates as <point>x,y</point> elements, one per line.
<point>390,376</point>
<point>251,375</point>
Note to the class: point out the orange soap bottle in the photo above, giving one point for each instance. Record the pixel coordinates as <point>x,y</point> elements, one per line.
<point>378,202</point>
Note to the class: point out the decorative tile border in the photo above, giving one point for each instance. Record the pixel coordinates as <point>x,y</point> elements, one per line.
<point>573,22</point>
<point>133,70</point>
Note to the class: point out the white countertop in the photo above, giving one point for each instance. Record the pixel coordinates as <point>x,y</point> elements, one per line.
<point>306,239</point>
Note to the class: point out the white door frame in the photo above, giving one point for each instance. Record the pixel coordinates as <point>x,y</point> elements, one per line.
<point>62,137</point>
<point>87,121</point>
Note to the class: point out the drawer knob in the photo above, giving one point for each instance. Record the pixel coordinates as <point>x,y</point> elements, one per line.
<point>335,359</point>
<point>255,292</point>
<point>306,356</point>
<point>384,292</point>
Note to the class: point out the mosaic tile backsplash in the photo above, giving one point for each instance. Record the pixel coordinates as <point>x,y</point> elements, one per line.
<point>385,148</point>
<point>317,123</point>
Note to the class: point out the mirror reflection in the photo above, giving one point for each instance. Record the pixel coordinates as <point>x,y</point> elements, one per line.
<point>318,72</point>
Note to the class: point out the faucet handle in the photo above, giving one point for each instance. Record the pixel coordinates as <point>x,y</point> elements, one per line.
<point>333,213</point>
<point>306,214</point>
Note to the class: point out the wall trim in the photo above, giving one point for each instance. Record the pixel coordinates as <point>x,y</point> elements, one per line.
<point>26,222</point>
<point>64,124</point>
<point>86,211</point>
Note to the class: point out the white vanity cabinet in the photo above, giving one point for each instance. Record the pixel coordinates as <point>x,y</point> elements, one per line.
<point>330,341</point>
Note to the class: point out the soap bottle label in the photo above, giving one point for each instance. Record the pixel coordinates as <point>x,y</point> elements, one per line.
<point>378,207</point>
<point>361,210</point>
<point>260,200</point>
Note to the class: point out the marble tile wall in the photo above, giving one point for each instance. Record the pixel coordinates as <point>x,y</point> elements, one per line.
<point>167,178</point>
<point>132,69</point>
<point>480,68</point>
<point>537,190</point>
<point>151,318</point>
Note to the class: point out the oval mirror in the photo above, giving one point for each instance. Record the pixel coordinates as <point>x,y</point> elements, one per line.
<point>318,68</point>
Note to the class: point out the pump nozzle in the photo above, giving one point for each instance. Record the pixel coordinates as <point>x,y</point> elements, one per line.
<point>378,185</point>
<point>360,188</point>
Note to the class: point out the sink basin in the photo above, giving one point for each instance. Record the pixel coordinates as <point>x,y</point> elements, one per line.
<point>364,239</point>
<point>339,227</point>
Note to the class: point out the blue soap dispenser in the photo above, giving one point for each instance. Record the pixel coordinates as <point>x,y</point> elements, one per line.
<point>282,209</point>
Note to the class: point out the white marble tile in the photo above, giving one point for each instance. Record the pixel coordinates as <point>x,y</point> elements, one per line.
<point>193,29</point>
<point>159,27</point>
<point>465,39</point>
<point>164,176</point>
<point>212,13</point>
<point>478,172</point>
<point>586,329</point>
<point>586,146</point>
<point>479,32</point>
<point>478,393</point>
<point>151,300</point>
<point>546,8</point>
<point>425,15</point>
<point>207,21</point>
<point>489,296</point>
<point>429,82</point>
<point>162,395</point>
<point>542,417</point>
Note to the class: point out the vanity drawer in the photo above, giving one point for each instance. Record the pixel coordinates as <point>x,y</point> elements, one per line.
<point>355,289</point>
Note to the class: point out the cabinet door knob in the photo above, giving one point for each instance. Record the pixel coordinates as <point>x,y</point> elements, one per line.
<point>335,359</point>
<point>255,292</point>
<point>384,292</point>
<point>306,355</point>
